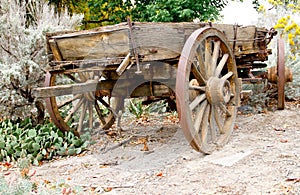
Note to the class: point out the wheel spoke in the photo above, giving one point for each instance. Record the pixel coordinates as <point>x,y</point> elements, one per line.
<point>199,116</point>
<point>225,110</point>
<point>90,108</point>
<point>197,101</point>
<point>106,105</point>
<point>201,62</point>
<point>77,106</point>
<point>217,118</point>
<point>205,124</point>
<point>215,56</point>
<point>221,65</point>
<point>82,77</point>
<point>208,56</point>
<point>227,128</point>
<point>227,75</point>
<point>197,87</point>
<point>73,78</point>
<point>68,101</point>
<point>212,123</point>
<point>99,113</point>
<point>82,116</point>
<point>197,74</point>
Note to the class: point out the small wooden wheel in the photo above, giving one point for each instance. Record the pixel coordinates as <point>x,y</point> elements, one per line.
<point>80,112</point>
<point>280,73</point>
<point>207,90</point>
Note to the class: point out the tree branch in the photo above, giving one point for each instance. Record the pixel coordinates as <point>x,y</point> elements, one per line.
<point>9,52</point>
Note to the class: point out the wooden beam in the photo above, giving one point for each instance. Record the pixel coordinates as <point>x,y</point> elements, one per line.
<point>60,90</point>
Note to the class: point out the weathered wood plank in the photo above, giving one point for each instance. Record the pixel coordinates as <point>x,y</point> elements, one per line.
<point>123,87</point>
<point>77,88</point>
<point>155,41</point>
<point>80,65</point>
<point>94,46</point>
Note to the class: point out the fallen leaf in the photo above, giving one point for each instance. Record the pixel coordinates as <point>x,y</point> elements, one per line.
<point>6,173</point>
<point>46,181</point>
<point>145,148</point>
<point>68,191</point>
<point>283,140</point>
<point>295,180</point>
<point>6,165</point>
<point>279,129</point>
<point>159,174</point>
<point>31,173</point>
<point>24,172</point>
<point>108,189</point>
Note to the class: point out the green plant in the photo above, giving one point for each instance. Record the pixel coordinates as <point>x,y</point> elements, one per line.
<point>137,108</point>
<point>26,185</point>
<point>16,187</point>
<point>37,143</point>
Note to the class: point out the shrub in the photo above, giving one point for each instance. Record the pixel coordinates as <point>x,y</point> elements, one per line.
<point>23,25</point>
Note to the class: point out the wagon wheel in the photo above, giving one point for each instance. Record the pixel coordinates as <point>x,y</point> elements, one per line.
<point>207,90</point>
<point>280,73</point>
<point>80,112</point>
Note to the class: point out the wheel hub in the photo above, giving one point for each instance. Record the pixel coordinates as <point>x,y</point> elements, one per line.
<point>217,90</point>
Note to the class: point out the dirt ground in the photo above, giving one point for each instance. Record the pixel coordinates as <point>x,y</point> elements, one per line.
<point>153,157</point>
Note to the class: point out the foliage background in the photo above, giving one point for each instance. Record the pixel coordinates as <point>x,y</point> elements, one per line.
<point>284,16</point>
<point>103,12</point>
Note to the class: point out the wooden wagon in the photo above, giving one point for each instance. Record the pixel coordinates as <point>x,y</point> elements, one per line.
<point>196,64</point>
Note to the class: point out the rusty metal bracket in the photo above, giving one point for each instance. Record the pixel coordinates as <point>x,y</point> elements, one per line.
<point>235,27</point>
<point>272,32</point>
<point>133,45</point>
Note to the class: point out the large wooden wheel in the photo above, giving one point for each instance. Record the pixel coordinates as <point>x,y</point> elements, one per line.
<point>207,90</point>
<point>80,112</point>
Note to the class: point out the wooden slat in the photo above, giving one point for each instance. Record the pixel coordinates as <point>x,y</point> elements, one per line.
<point>123,65</point>
<point>123,86</point>
<point>61,90</point>
<point>55,50</point>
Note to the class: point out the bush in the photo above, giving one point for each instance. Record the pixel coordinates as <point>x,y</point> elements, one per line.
<point>23,25</point>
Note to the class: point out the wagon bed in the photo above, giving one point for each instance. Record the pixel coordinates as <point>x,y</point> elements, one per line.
<point>154,41</point>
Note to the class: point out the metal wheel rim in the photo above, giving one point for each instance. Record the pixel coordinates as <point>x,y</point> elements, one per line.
<point>280,73</point>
